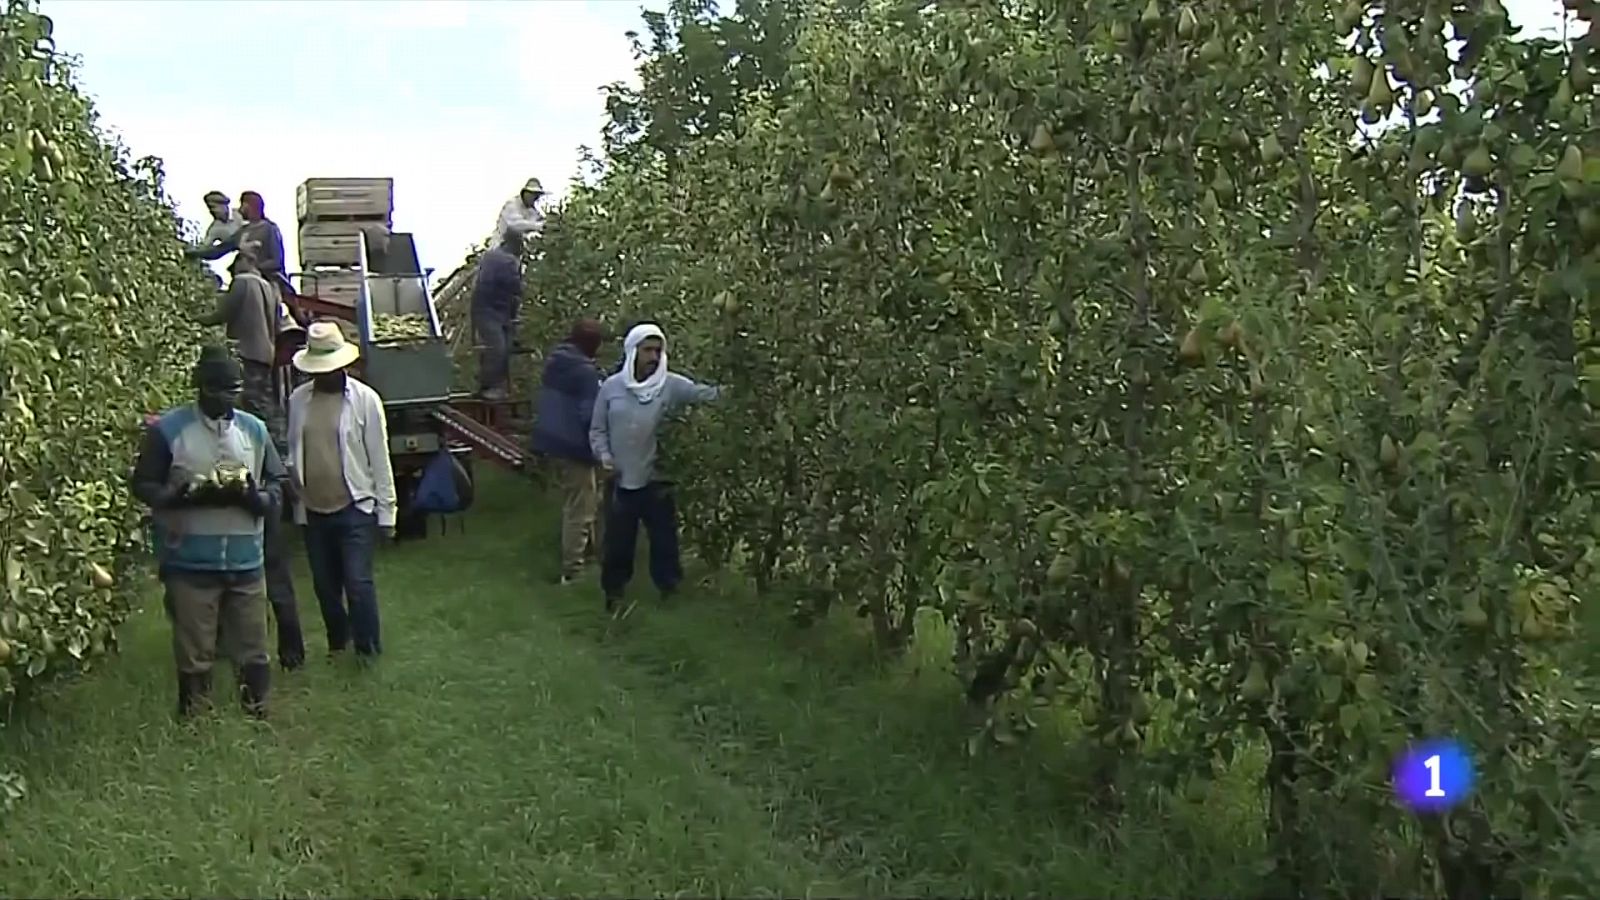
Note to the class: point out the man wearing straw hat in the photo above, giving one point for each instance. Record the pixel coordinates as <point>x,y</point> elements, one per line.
<point>344,486</point>
<point>521,216</point>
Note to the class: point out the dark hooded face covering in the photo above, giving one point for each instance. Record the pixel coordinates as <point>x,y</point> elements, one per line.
<point>219,382</point>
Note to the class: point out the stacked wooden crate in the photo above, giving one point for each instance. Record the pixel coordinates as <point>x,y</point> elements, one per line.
<point>333,212</point>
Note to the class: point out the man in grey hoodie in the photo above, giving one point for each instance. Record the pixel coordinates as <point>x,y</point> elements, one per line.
<point>628,413</point>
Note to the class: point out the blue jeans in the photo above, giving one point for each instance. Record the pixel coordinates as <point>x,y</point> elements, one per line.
<point>340,547</point>
<point>654,507</point>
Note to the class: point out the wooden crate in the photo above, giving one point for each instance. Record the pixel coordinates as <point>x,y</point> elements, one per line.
<point>341,286</point>
<point>332,243</point>
<point>345,199</point>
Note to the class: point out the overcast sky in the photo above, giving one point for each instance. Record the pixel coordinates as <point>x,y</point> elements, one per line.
<point>459,101</point>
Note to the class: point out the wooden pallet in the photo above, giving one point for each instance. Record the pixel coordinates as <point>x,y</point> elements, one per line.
<point>335,243</point>
<point>341,218</point>
<point>336,286</point>
<point>344,199</point>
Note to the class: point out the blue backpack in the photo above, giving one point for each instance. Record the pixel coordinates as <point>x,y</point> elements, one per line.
<point>445,487</point>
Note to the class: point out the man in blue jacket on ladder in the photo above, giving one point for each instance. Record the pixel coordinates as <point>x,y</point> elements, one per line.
<point>562,415</point>
<point>496,305</point>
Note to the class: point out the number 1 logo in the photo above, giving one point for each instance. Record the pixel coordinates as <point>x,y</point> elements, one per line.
<point>1433,776</point>
<point>1432,764</point>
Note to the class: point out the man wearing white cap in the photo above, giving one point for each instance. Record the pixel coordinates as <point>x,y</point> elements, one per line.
<point>521,216</point>
<point>344,485</point>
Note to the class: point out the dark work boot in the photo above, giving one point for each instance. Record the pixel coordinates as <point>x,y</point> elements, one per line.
<point>291,645</point>
<point>254,682</point>
<point>194,692</point>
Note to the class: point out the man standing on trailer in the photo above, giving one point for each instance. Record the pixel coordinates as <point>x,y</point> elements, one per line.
<point>561,432</point>
<point>344,486</point>
<point>521,216</point>
<point>496,305</point>
<point>224,224</point>
<point>252,314</point>
<point>260,235</point>
<point>628,413</point>
<point>208,537</point>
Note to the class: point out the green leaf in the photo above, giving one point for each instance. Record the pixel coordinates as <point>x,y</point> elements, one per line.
<point>1350,718</point>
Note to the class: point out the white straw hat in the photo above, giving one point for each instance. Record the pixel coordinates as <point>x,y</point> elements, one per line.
<point>326,350</point>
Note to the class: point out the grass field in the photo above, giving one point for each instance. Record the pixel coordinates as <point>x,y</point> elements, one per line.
<point>512,743</point>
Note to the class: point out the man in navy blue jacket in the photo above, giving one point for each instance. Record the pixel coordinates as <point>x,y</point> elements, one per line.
<point>496,303</point>
<point>562,413</point>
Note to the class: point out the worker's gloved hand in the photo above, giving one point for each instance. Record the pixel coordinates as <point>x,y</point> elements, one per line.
<point>177,491</point>
<point>252,498</point>
<point>171,496</point>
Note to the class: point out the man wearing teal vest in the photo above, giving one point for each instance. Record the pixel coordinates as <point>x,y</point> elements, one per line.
<point>210,474</point>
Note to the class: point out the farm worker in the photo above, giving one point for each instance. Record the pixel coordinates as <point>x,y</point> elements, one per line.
<point>343,486</point>
<point>628,413</point>
<point>562,414</point>
<point>496,304</point>
<point>253,315</point>
<point>521,216</point>
<point>260,235</point>
<point>224,224</point>
<point>605,478</point>
<point>249,309</point>
<point>208,537</point>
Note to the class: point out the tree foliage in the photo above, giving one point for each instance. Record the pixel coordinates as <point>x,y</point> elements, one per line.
<point>95,300</point>
<point>1102,330</point>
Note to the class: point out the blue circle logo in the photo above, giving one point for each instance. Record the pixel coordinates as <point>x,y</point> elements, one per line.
<point>1433,776</point>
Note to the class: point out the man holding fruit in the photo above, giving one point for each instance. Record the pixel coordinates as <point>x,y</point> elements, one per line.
<point>210,474</point>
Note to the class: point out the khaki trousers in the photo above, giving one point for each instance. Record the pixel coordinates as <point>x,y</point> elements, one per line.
<point>202,605</point>
<point>580,524</point>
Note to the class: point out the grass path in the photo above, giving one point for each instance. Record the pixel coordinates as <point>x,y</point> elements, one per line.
<point>511,744</point>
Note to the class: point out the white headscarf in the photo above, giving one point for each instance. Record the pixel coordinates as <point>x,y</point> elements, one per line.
<point>650,388</point>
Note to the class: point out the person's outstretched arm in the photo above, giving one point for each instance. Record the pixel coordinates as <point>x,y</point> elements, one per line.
<point>686,391</point>
<point>215,251</point>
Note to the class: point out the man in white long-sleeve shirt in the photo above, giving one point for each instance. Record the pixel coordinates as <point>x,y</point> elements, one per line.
<point>344,485</point>
<point>521,215</point>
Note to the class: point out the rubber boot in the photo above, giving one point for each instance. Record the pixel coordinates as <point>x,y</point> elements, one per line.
<point>194,692</point>
<point>255,681</point>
